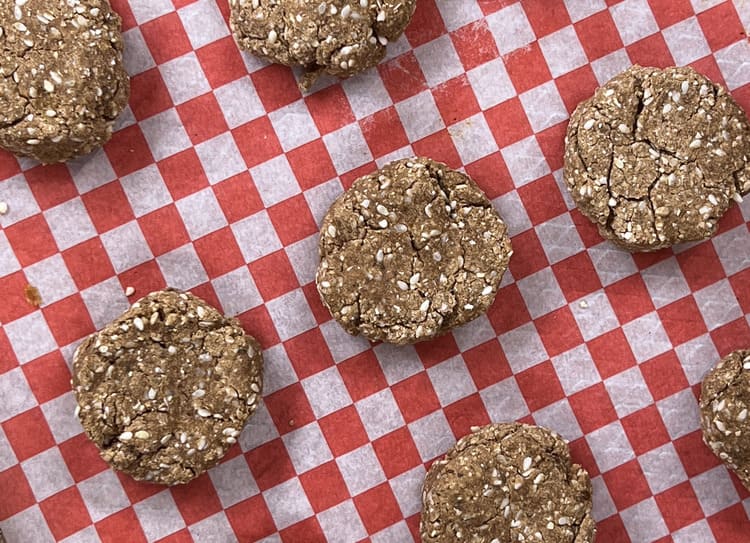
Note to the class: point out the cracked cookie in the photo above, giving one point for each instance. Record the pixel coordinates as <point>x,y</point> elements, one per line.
<point>63,82</point>
<point>724,403</point>
<point>410,252</point>
<point>166,388</point>
<point>337,37</point>
<point>505,483</point>
<point>656,157</point>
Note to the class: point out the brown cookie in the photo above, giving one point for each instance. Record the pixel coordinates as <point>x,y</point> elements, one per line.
<point>725,401</point>
<point>64,82</point>
<point>337,37</point>
<point>506,483</point>
<point>165,389</point>
<point>410,252</point>
<point>656,157</point>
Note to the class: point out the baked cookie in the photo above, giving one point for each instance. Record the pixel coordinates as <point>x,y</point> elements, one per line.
<point>656,157</point>
<point>410,252</point>
<point>506,483</point>
<point>165,389</point>
<point>725,401</point>
<point>337,37</point>
<point>63,80</point>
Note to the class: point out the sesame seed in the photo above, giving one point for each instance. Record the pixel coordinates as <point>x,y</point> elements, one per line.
<point>588,125</point>
<point>346,11</point>
<point>142,434</point>
<point>129,291</point>
<point>199,393</point>
<point>272,37</point>
<point>204,412</point>
<point>126,436</point>
<point>3,208</point>
<point>138,323</point>
<point>382,209</point>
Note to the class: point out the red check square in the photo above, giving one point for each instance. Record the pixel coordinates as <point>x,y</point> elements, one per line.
<point>396,452</point>
<point>65,513</point>
<point>343,430</point>
<point>28,434</point>
<point>324,487</point>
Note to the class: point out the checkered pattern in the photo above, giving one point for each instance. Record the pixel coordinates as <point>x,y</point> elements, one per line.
<point>216,180</point>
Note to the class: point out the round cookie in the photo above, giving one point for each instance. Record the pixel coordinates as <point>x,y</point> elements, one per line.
<point>656,157</point>
<point>166,388</point>
<point>410,252</point>
<point>63,80</point>
<point>725,401</point>
<point>506,483</point>
<point>337,37</point>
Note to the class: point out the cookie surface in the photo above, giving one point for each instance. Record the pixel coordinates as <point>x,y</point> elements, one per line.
<point>725,401</point>
<point>656,157</point>
<point>64,82</point>
<point>410,252</point>
<point>506,483</point>
<point>337,37</point>
<point>165,389</point>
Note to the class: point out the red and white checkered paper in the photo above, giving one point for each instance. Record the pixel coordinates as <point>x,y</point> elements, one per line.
<point>216,180</point>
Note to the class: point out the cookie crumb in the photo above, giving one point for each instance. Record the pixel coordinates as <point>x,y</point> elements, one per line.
<point>33,298</point>
<point>583,304</point>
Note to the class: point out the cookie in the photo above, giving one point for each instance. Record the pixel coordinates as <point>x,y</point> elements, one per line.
<point>336,37</point>
<point>725,401</point>
<point>506,483</point>
<point>63,80</point>
<point>410,252</point>
<point>656,157</point>
<point>165,389</point>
